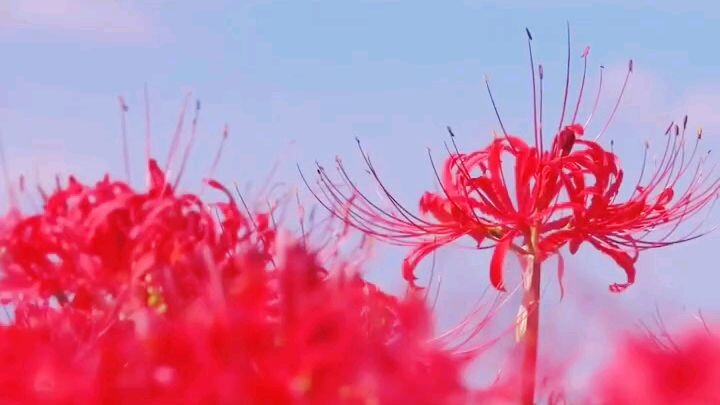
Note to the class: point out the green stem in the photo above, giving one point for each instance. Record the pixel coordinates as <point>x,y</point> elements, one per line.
<point>529,337</point>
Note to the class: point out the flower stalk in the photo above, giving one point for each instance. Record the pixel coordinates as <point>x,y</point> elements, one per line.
<point>528,318</point>
<point>529,328</point>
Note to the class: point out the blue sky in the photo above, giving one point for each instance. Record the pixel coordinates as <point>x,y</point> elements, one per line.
<point>297,81</point>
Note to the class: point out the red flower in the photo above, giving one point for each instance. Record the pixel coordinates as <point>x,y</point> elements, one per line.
<point>621,229</point>
<point>121,296</point>
<point>90,244</point>
<point>514,197</point>
<point>567,194</point>
<point>293,333</point>
<point>645,373</point>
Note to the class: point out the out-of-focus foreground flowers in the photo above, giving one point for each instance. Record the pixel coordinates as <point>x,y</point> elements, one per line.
<point>121,296</point>
<point>685,371</point>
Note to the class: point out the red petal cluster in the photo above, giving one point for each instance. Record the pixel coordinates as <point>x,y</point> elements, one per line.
<point>515,197</point>
<point>645,373</point>
<point>120,296</point>
<point>90,244</point>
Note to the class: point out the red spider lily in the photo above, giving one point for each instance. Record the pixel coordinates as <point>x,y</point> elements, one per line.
<point>297,333</point>
<point>623,229</point>
<point>122,296</point>
<point>567,194</point>
<point>90,243</point>
<point>645,373</point>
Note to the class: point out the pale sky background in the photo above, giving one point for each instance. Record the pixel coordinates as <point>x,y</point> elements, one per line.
<point>297,81</point>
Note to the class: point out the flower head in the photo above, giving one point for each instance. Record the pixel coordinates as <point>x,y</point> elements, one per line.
<point>512,196</point>
<point>156,296</point>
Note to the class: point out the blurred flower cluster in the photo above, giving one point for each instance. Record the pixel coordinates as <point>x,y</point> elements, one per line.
<point>121,296</point>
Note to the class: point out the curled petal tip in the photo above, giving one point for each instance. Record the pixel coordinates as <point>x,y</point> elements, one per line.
<point>618,288</point>
<point>414,288</point>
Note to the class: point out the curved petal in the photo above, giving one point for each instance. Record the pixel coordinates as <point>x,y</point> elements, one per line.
<point>575,244</point>
<point>423,249</point>
<point>623,259</point>
<point>553,242</point>
<point>497,261</point>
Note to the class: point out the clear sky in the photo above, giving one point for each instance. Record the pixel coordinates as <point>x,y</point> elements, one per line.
<point>297,81</point>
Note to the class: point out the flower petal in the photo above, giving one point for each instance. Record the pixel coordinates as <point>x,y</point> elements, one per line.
<point>421,250</point>
<point>623,259</point>
<point>497,261</point>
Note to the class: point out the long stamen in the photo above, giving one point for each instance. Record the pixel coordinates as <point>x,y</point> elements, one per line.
<point>403,211</point>
<point>465,172</point>
<point>123,124</point>
<point>678,152</point>
<point>585,54</point>
<point>178,132</point>
<point>458,162</point>
<point>661,163</point>
<point>685,164</point>
<point>10,190</point>
<point>567,81</point>
<point>342,199</point>
<point>188,147</point>
<point>252,220</point>
<point>218,154</point>
<point>383,226</point>
<point>597,98</point>
<point>617,104</point>
<point>664,164</point>
<point>534,94</point>
<point>497,114</point>
<point>431,279</point>
<point>148,134</point>
<point>301,218</point>
<point>363,217</point>
<point>541,75</point>
<point>442,186</point>
<point>642,170</point>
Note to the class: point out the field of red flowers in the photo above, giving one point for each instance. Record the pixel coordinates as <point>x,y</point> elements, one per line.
<point>117,293</point>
